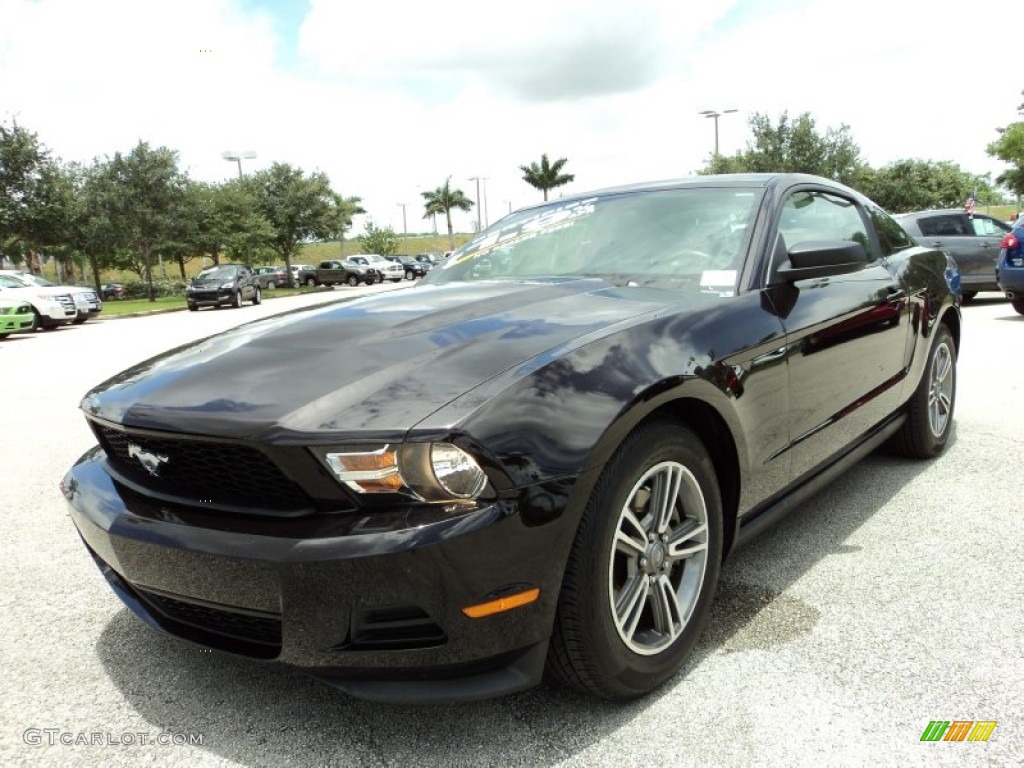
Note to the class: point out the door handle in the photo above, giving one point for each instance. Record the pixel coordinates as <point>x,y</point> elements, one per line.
<point>936,243</point>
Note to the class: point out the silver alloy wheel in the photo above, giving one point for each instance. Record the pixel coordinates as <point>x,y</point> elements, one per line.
<point>659,558</point>
<point>940,389</point>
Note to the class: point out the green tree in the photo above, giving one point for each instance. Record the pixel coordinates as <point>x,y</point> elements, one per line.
<point>26,171</point>
<point>223,218</point>
<point>298,208</point>
<point>916,185</point>
<point>545,175</point>
<point>443,200</point>
<point>793,146</point>
<point>147,194</point>
<point>1009,148</point>
<point>382,240</point>
<point>93,234</point>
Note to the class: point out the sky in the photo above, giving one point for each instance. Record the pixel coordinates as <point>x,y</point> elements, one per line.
<point>391,97</point>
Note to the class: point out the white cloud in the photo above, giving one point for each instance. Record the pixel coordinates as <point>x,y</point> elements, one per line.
<point>389,98</point>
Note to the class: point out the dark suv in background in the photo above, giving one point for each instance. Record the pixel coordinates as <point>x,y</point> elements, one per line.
<point>971,239</point>
<point>224,284</point>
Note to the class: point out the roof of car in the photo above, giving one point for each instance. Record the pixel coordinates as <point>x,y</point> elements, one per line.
<point>936,211</point>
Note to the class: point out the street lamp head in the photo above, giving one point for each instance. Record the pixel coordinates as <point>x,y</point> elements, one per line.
<point>245,154</point>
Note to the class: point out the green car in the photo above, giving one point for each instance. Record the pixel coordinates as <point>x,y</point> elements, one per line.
<point>16,316</point>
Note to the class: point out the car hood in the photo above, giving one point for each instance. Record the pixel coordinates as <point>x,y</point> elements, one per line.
<point>374,366</point>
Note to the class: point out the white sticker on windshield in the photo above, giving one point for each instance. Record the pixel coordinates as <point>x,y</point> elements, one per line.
<point>720,281</point>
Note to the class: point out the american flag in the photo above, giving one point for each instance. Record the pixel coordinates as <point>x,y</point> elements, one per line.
<point>969,205</point>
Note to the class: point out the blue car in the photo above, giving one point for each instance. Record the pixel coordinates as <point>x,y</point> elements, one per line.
<point>1010,267</point>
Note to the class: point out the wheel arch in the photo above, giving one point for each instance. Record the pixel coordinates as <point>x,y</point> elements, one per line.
<point>721,439</point>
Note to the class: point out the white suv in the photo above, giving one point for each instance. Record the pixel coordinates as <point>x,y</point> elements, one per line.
<point>87,301</point>
<point>51,308</point>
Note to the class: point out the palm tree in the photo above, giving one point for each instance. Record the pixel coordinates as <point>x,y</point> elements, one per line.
<point>545,176</point>
<point>442,200</point>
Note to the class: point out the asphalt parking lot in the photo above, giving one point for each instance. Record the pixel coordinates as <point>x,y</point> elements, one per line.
<point>891,600</point>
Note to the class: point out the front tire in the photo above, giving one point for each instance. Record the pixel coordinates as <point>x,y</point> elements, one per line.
<point>410,275</point>
<point>271,285</point>
<point>192,306</point>
<point>643,569</point>
<point>257,298</point>
<point>236,299</point>
<point>930,411</point>
<point>310,282</point>
<point>353,280</point>
<point>967,296</point>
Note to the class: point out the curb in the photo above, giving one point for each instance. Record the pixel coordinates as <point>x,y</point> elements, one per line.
<point>183,308</point>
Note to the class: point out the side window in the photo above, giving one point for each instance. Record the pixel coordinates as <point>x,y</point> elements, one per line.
<point>891,236</point>
<point>823,216</point>
<point>983,226</point>
<point>949,225</point>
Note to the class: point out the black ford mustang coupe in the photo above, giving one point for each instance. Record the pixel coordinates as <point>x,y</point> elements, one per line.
<point>538,458</point>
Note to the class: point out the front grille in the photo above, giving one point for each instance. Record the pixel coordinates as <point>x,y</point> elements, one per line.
<point>207,473</point>
<point>67,301</point>
<point>250,627</point>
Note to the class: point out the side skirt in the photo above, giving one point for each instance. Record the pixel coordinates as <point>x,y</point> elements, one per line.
<point>768,514</point>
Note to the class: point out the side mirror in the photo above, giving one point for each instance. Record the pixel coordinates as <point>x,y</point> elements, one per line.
<point>822,258</point>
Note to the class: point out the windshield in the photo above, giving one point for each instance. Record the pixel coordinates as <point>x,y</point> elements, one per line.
<point>692,236</point>
<point>217,273</point>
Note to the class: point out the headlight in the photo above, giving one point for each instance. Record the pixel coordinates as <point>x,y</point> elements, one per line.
<point>227,285</point>
<point>424,471</point>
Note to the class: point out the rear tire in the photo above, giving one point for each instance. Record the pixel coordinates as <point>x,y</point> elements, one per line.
<point>930,410</point>
<point>643,569</point>
<point>967,296</point>
<point>353,280</point>
<point>271,285</point>
<point>1018,305</point>
<point>192,306</point>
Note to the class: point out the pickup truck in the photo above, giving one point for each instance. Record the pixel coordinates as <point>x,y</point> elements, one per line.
<point>338,271</point>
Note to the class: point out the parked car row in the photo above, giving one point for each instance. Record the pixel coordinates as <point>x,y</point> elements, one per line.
<point>31,303</point>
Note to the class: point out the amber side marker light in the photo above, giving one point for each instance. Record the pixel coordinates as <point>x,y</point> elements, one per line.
<point>502,604</point>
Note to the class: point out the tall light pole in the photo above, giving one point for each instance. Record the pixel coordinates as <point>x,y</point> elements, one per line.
<point>478,219</point>
<point>714,115</point>
<point>238,157</point>
<point>405,231</point>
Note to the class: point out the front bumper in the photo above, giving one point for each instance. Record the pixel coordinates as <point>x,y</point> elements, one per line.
<point>12,322</point>
<point>371,605</point>
<point>210,297</point>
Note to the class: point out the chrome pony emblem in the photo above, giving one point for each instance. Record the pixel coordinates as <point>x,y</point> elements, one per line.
<point>149,460</point>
